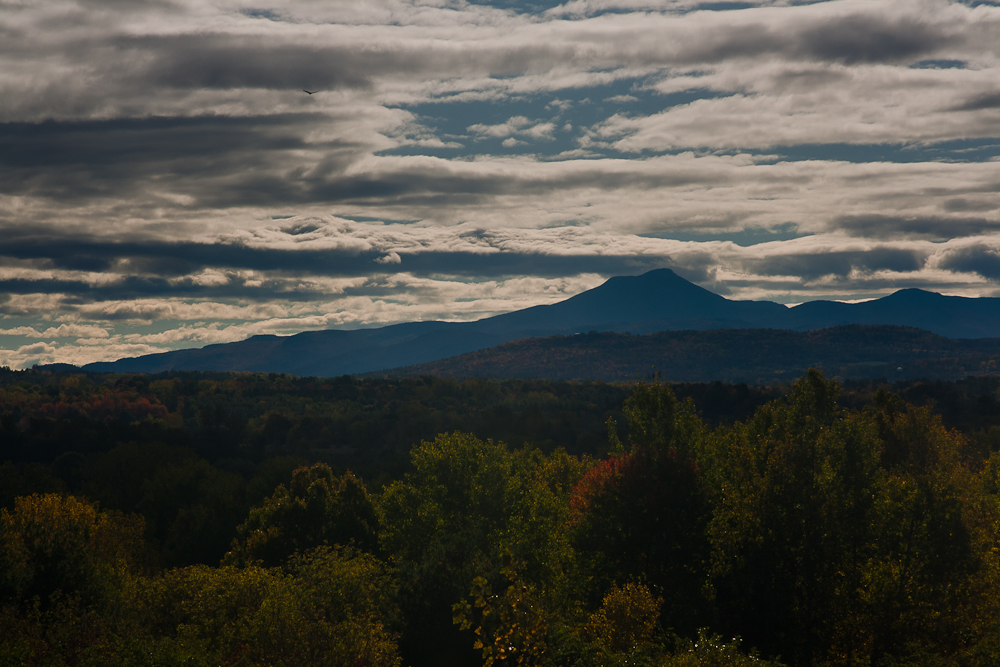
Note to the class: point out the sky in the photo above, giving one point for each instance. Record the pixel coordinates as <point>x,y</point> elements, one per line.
<point>166,182</point>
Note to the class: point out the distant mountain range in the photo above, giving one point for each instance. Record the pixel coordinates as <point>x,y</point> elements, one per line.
<point>656,301</point>
<point>754,356</point>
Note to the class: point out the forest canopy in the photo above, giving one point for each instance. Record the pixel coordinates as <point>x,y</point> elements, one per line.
<point>211,519</point>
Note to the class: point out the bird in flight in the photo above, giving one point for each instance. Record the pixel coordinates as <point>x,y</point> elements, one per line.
<point>310,92</point>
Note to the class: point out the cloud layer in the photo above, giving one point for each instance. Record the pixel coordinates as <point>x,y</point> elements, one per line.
<point>165,181</point>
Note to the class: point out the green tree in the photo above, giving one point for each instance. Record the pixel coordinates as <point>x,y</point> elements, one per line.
<point>67,570</point>
<point>933,550</point>
<point>54,546</point>
<point>467,503</point>
<point>318,508</point>
<point>657,419</point>
<point>840,535</point>
<point>512,625</point>
<point>330,608</point>
<point>629,616</point>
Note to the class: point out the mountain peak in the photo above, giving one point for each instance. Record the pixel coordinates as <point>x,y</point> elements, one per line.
<point>660,290</point>
<point>912,294</point>
<point>655,295</point>
<point>656,278</point>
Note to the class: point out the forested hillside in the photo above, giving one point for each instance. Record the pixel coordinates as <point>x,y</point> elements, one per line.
<point>757,356</point>
<point>254,519</point>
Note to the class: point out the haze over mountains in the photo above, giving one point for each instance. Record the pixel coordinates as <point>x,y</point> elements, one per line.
<point>659,300</point>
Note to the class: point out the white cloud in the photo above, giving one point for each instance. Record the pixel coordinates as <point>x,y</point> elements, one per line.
<point>514,126</point>
<point>62,331</point>
<point>786,105</point>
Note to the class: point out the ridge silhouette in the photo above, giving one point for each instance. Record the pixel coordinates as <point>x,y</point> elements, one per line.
<point>659,300</point>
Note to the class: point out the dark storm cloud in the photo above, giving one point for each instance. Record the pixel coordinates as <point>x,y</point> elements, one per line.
<point>817,265</point>
<point>980,102</point>
<point>221,61</point>
<point>132,141</point>
<point>144,266</point>
<point>867,39</point>
<point>215,159</point>
<point>925,227</point>
<point>139,287</point>
<point>981,259</point>
<point>962,205</point>
<point>444,186</point>
<point>851,39</point>
<point>223,161</point>
<point>178,258</point>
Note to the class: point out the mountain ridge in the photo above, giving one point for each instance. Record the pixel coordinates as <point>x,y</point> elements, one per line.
<point>659,300</point>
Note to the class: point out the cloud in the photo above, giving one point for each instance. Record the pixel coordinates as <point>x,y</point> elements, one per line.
<point>980,102</point>
<point>201,159</point>
<point>516,126</point>
<point>62,331</point>
<point>863,38</point>
<point>164,181</point>
<point>980,258</point>
<point>812,266</point>
<point>145,311</point>
<point>770,105</point>
<point>46,353</point>
<point>232,61</point>
<point>928,227</point>
<point>391,258</point>
<point>175,258</point>
<point>962,204</point>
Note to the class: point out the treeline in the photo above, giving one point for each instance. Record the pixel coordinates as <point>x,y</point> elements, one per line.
<point>193,452</point>
<point>368,425</point>
<point>833,525</point>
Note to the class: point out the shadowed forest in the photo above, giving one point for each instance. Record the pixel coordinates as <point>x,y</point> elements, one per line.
<point>264,519</point>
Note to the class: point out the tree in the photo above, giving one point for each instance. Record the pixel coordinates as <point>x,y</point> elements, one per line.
<point>629,616</point>
<point>840,535</point>
<point>54,546</point>
<point>194,509</point>
<point>329,609</point>
<point>66,573</point>
<point>318,508</point>
<point>641,515</point>
<point>466,506</point>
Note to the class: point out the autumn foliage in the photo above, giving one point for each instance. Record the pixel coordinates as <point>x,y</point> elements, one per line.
<point>820,529</point>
